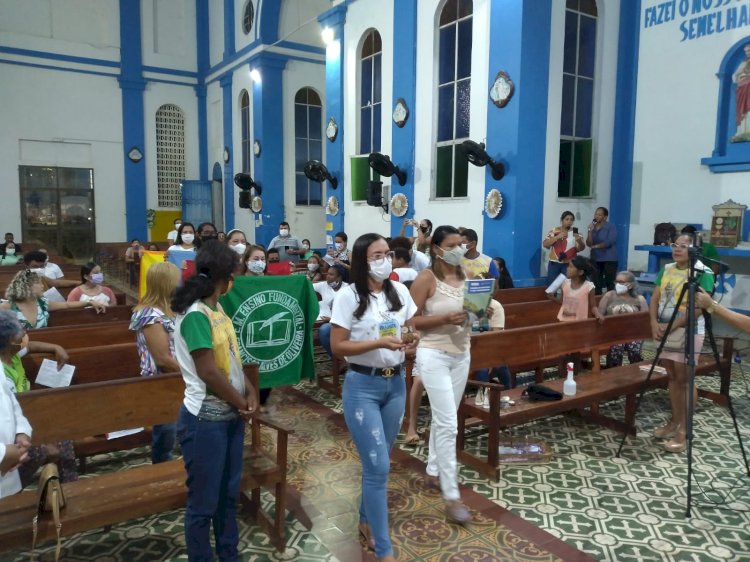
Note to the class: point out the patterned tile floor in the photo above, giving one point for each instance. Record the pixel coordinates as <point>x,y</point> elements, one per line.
<point>626,509</point>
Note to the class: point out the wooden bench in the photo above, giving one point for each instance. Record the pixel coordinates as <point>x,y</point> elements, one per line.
<point>89,315</point>
<point>139,491</point>
<point>85,335</point>
<point>521,294</point>
<point>550,342</point>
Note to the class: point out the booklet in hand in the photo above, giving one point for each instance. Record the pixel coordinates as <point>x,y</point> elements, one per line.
<point>556,284</point>
<point>477,296</point>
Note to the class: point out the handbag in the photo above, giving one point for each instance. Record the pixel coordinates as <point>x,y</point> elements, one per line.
<point>675,340</point>
<point>539,392</point>
<point>50,498</point>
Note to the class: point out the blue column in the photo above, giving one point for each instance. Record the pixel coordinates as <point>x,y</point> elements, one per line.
<point>517,133</point>
<point>228,183</point>
<point>268,129</point>
<point>202,40</point>
<point>621,191</point>
<point>132,85</point>
<point>404,86</point>
<point>335,19</point>
<point>228,28</point>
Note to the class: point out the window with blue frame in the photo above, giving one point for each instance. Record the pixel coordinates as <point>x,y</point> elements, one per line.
<point>576,138</point>
<point>453,94</point>
<point>369,97</point>
<point>245,128</point>
<point>308,144</point>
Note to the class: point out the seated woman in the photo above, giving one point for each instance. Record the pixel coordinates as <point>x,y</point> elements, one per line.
<point>91,287</point>
<point>335,281</point>
<point>14,344</point>
<point>236,241</point>
<point>254,261</point>
<point>31,308</point>
<point>623,300</point>
<point>315,269</point>
<point>153,322</point>
<point>10,257</point>
<point>505,281</point>
<point>307,247</point>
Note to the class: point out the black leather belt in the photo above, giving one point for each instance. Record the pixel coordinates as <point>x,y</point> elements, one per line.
<point>385,372</point>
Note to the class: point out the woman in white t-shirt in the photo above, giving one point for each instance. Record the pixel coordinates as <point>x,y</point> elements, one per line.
<point>368,317</point>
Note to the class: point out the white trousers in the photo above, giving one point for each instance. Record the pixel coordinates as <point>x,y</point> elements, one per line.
<point>444,377</point>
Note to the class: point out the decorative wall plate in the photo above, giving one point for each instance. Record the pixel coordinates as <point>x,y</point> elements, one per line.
<point>332,206</point>
<point>257,204</point>
<point>332,130</point>
<point>502,89</point>
<point>494,203</point>
<point>400,113</point>
<point>399,205</point>
<point>256,148</point>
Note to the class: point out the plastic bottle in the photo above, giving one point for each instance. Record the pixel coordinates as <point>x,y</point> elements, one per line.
<point>569,386</point>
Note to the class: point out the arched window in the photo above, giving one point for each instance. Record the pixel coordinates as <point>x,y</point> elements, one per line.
<point>369,98</point>
<point>453,94</point>
<point>576,139</point>
<point>308,144</point>
<point>170,155</point>
<point>248,17</point>
<point>245,128</point>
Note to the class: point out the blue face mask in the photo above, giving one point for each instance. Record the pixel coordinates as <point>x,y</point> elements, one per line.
<point>97,278</point>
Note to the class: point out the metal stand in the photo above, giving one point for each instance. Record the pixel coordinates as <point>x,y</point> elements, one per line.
<point>689,288</point>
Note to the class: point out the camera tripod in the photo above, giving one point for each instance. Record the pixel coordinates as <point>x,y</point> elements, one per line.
<point>689,288</point>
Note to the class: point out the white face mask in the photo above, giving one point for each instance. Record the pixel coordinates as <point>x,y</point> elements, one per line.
<point>188,238</point>
<point>454,256</point>
<point>381,269</point>
<point>239,248</point>
<point>177,225</point>
<point>284,232</point>
<point>38,270</point>
<point>10,251</point>
<point>339,246</point>
<point>306,246</point>
<point>312,267</point>
<point>256,266</point>
<point>621,288</point>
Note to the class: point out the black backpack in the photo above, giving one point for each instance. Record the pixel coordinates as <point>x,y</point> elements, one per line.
<point>664,234</point>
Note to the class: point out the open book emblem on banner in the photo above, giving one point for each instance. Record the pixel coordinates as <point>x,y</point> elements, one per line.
<point>277,330</point>
<point>270,328</point>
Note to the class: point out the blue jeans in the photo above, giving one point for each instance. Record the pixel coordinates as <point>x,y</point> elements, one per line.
<point>212,451</point>
<point>374,410</point>
<point>555,268</point>
<point>324,335</point>
<point>162,442</point>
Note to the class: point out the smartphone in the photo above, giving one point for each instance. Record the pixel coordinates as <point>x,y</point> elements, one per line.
<point>575,230</point>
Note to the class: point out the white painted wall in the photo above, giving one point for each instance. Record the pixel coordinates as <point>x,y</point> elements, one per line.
<point>605,75</point>
<point>61,111</point>
<point>169,39</point>
<point>240,39</point>
<point>243,218</point>
<point>304,221</point>
<point>362,16</point>
<point>459,212</point>
<point>215,31</point>
<point>298,21</point>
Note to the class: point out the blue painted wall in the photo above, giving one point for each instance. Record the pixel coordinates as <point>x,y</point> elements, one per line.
<point>404,86</point>
<point>202,42</point>
<point>133,134</point>
<point>335,19</point>
<point>621,195</point>
<point>267,99</point>
<point>517,133</point>
<point>227,109</point>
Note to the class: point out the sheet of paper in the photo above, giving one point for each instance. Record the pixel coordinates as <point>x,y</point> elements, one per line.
<point>556,284</point>
<point>124,432</point>
<point>329,259</point>
<point>48,374</point>
<point>53,295</point>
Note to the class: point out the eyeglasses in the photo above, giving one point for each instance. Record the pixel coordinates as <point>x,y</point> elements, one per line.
<point>681,246</point>
<point>379,256</point>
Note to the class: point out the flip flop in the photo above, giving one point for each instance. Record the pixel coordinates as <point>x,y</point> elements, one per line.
<point>411,439</point>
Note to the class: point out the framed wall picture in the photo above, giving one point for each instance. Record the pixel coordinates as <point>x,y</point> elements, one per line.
<point>726,224</point>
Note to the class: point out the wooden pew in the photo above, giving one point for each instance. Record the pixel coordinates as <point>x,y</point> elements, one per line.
<point>89,315</point>
<point>85,335</point>
<point>107,499</point>
<point>521,294</point>
<point>524,346</point>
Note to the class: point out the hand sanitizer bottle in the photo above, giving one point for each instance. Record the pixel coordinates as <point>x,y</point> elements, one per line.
<point>569,386</point>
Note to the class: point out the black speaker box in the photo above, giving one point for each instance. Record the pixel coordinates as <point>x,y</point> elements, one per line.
<point>375,193</point>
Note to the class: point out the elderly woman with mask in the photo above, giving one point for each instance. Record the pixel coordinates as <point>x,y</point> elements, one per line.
<point>14,344</point>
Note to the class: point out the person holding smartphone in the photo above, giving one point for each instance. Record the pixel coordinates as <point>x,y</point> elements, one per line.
<point>602,239</point>
<point>563,243</point>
